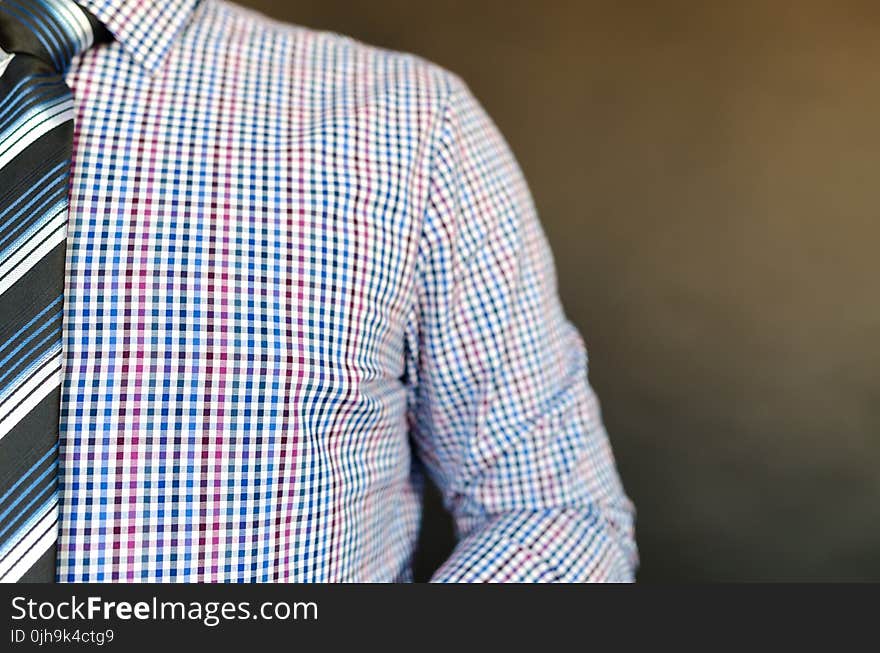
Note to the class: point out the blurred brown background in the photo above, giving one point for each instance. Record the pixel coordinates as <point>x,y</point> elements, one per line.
<point>707,174</point>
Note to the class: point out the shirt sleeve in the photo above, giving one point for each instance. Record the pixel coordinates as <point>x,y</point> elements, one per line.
<point>501,411</point>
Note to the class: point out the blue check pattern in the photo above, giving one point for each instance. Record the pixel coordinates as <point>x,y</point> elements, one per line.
<point>302,272</point>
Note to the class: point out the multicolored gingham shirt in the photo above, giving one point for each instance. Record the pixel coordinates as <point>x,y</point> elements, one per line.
<point>300,272</point>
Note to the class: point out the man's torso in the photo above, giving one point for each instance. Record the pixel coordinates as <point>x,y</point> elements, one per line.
<point>244,225</point>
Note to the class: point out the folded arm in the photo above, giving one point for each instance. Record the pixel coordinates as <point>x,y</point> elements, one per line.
<point>501,412</point>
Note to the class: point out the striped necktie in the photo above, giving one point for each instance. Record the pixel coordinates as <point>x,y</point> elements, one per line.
<point>38,40</point>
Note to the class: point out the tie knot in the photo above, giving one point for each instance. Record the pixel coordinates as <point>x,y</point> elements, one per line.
<point>54,31</point>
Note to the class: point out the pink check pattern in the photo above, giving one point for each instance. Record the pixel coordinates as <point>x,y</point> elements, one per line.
<point>301,273</point>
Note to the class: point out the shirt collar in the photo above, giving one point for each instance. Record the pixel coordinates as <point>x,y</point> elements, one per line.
<point>146,29</point>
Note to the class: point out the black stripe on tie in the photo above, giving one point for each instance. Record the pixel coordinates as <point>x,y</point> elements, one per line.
<point>33,292</point>
<point>43,568</point>
<point>29,441</point>
<point>19,177</point>
<point>20,67</point>
<point>27,170</point>
<point>32,245</point>
<point>27,81</point>
<point>45,179</point>
<point>26,29</point>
